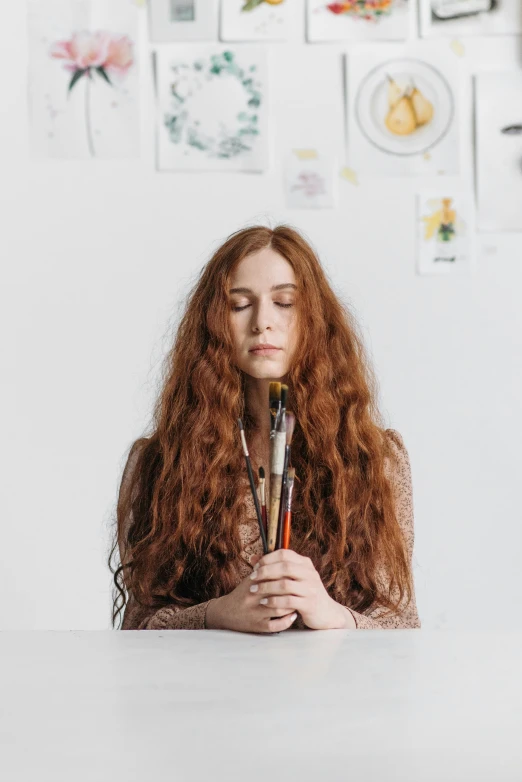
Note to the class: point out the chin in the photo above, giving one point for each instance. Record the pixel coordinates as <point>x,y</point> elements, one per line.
<point>268,372</point>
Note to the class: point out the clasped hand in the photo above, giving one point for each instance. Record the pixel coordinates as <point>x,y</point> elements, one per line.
<point>288,582</point>
<point>284,583</point>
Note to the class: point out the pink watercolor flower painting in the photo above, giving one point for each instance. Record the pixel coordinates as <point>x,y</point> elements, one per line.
<point>88,53</point>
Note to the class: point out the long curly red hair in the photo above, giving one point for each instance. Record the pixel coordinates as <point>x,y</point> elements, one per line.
<point>180,506</point>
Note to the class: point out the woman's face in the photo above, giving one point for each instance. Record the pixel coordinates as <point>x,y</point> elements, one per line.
<point>263,293</point>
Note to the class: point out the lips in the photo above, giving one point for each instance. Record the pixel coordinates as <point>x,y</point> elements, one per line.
<point>261,348</point>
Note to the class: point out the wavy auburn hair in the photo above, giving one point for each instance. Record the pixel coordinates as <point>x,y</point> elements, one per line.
<point>182,493</point>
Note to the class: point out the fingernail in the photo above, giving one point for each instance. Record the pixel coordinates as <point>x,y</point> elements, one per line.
<point>264,601</point>
<point>294,616</point>
<point>254,587</point>
<point>253,575</point>
<point>256,566</point>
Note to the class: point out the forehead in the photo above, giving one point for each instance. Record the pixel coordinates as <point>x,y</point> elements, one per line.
<point>262,270</point>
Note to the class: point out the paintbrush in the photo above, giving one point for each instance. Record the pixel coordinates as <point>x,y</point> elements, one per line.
<point>252,485</point>
<point>282,404</point>
<point>262,486</point>
<point>274,403</point>
<point>276,476</point>
<point>287,519</point>
<point>290,424</point>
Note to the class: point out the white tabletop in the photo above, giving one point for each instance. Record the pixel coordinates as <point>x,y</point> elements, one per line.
<point>182,705</point>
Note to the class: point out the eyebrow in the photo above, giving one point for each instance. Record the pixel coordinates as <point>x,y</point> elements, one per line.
<point>273,288</point>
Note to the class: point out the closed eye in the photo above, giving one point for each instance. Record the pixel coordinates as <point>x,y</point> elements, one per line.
<point>279,304</point>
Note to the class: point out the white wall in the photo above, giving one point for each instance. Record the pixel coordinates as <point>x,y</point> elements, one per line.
<point>96,258</point>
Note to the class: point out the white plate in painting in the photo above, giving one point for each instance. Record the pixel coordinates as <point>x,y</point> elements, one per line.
<point>371,106</point>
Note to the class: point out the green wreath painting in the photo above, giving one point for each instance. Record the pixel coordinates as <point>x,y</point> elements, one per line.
<point>214,107</point>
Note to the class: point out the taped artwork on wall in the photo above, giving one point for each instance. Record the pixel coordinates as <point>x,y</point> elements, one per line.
<point>309,180</point>
<point>498,128</point>
<point>255,20</point>
<point>444,233</point>
<point>183,20</point>
<point>212,113</point>
<point>83,79</point>
<point>470,17</point>
<point>358,20</point>
<point>403,111</point>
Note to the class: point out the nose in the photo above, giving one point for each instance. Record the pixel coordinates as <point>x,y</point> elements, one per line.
<point>261,316</point>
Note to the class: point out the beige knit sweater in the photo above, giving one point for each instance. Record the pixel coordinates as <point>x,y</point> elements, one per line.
<point>137,617</point>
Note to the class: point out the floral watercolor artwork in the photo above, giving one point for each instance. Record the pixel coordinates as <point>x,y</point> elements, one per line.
<point>83,79</point>
<point>212,112</point>
<point>444,233</point>
<point>255,20</point>
<point>183,20</point>
<point>498,129</point>
<point>86,54</point>
<point>470,17</point>
<point>402,114</point>
<point>370,10</point>
<point>309,181</point>
<point>358,20</point>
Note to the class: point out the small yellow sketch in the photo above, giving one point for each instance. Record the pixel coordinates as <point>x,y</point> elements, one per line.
<point>442,223</point>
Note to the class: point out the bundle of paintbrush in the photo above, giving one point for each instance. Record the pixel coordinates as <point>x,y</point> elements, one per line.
<point>275,523</point>
<point>282,476</point>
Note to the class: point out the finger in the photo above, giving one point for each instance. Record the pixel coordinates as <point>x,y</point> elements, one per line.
<point>275,613</point>
<point>284,586</point>
<point>284,555</point>
<point>283,569</point>
<point>283,603</point>
<point>277,625</point>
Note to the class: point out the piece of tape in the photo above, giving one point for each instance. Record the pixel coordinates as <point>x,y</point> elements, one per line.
<point>306,154</point>
<point>350,175</point>
<point>458,48</point>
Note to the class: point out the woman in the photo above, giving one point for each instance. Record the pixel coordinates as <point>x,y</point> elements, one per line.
<point>187,533</point>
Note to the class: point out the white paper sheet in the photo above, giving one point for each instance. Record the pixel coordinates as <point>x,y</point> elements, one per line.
<point>353,20</point>
<point>444,233</point>
<point>83,79</point>
<point>470,17</point>
<point>403,111</point>
<point>310,181</point>
<point>498,127</point>
<point>212,108</point>
<point>254,20</point>
<point>183,20</point>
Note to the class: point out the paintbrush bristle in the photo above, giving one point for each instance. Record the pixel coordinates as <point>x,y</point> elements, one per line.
<point>290,425</point>
<point>262,473</point>
<point>274,391</point>
<point>284,394</point>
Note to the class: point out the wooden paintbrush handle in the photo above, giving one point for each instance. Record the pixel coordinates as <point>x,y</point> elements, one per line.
<point>275,497</point>
<point>286,528</point>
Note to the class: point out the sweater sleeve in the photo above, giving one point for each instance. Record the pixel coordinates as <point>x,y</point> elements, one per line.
<point>139,617</point>
<point>400,476</point>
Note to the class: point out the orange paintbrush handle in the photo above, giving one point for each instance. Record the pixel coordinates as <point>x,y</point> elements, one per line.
<point>286,528</point>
